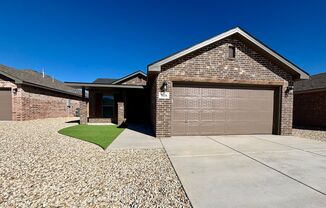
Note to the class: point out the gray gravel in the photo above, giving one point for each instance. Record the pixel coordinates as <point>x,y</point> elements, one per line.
<point>319,135</point>
<point>41,168</point>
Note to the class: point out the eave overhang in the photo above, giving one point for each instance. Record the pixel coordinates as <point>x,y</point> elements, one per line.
<point>87,86</point>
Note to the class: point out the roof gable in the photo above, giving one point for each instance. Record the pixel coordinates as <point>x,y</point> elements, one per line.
<point>130,76</point>
<point>156,67</point>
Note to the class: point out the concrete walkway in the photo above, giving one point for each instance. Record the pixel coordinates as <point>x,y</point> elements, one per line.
<point>136,136</point>
<point>250,171</point>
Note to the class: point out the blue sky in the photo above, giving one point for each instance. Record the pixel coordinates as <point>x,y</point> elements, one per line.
<point>78,40</point>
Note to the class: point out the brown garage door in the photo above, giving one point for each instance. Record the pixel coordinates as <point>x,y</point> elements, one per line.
<point>207,110</point>
<point>5,104</point>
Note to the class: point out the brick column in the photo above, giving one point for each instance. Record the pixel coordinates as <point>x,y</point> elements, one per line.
<point>83,112</point>
<point>121,112</point>
<point>287,111</point>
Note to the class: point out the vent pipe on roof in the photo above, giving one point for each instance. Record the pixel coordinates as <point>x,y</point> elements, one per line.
<point>43,73</point>
<point>52,78</point>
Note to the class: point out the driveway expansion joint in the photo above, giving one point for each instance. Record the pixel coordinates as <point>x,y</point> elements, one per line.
<point>259,138</point>
<point>268,166</point>
<point>176,173</point>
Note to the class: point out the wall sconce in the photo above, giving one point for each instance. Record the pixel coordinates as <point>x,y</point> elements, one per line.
<point>289,89</point>
<point>14,90</point>
<point>164,86</point>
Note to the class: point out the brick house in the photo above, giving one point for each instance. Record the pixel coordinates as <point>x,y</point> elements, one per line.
<point>27,95</point>
<point>309,109</point>
<point>229,84</point>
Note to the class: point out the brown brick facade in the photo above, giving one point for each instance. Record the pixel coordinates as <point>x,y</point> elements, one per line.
<point>211,64</point>
<point>30,103</point>
<point>310,109</point>
<point>120,112</point>
<point>83,112</point>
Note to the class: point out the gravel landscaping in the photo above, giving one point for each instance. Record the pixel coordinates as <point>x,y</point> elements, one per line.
<point>319,135</point>
<point>41,168</point>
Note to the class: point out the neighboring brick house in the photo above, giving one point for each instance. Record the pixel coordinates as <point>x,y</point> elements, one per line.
<point>27,95</point>
<point>309,109</point>
<point>229,84</point>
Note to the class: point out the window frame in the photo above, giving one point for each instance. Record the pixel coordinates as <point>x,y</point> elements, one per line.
<point>108,105</point>
<point>233,54</point>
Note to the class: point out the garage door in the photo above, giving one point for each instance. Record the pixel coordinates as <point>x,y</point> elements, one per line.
<point>207,110</point>
<point>5,104</point>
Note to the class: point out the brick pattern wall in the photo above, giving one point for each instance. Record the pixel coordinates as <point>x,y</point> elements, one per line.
<point>38,103</point>
<point>310,109</point>
<point>138,80</point>
<point>30,103</point>
<point>211,64</point>
<point>287,112</point>
<point>121,112</point>
<point>83,112</point>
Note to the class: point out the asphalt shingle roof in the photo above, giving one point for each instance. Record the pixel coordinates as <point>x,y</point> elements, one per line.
<point>317,81</point>
<point>104,81</point>
<point>34,77</point>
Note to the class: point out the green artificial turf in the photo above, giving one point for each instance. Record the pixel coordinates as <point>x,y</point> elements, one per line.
<point>102,135</point>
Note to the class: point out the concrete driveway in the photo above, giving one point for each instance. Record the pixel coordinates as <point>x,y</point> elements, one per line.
<point>250,171</point>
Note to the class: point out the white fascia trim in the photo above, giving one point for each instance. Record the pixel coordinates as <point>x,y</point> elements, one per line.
<point>156,67</point>
<point>303,75</point>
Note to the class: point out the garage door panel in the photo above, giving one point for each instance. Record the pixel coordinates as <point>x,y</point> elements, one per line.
<point>245,104</point>
<point>193,92</point>
<point>179,128</point>
<point>213,92</point>
<point>248,115</point>
<point>179,115</point>
<point>219,115</point>
<point>222,110</point>
<point>5,104</point>
<point>209,128</point>
<point>207,115</point>
<point>216,127</point>
<point>248,127</point>
<point>247,93</point>
<point>180,91</point>
<point>193,115</point>
<point>193,128</point>
<point>192,103</point>
<point>213,115</point>
<point>179,102</point>
<point>213,103</point>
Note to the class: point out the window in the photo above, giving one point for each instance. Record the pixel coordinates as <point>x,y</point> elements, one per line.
<point>231,52</point>
<point>108,106</point>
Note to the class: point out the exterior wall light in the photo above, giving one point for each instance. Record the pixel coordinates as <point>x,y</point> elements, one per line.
<point>289,89</point>
<point>164,86</point>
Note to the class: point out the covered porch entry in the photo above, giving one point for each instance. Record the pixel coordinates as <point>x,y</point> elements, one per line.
<point>113,103</point>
